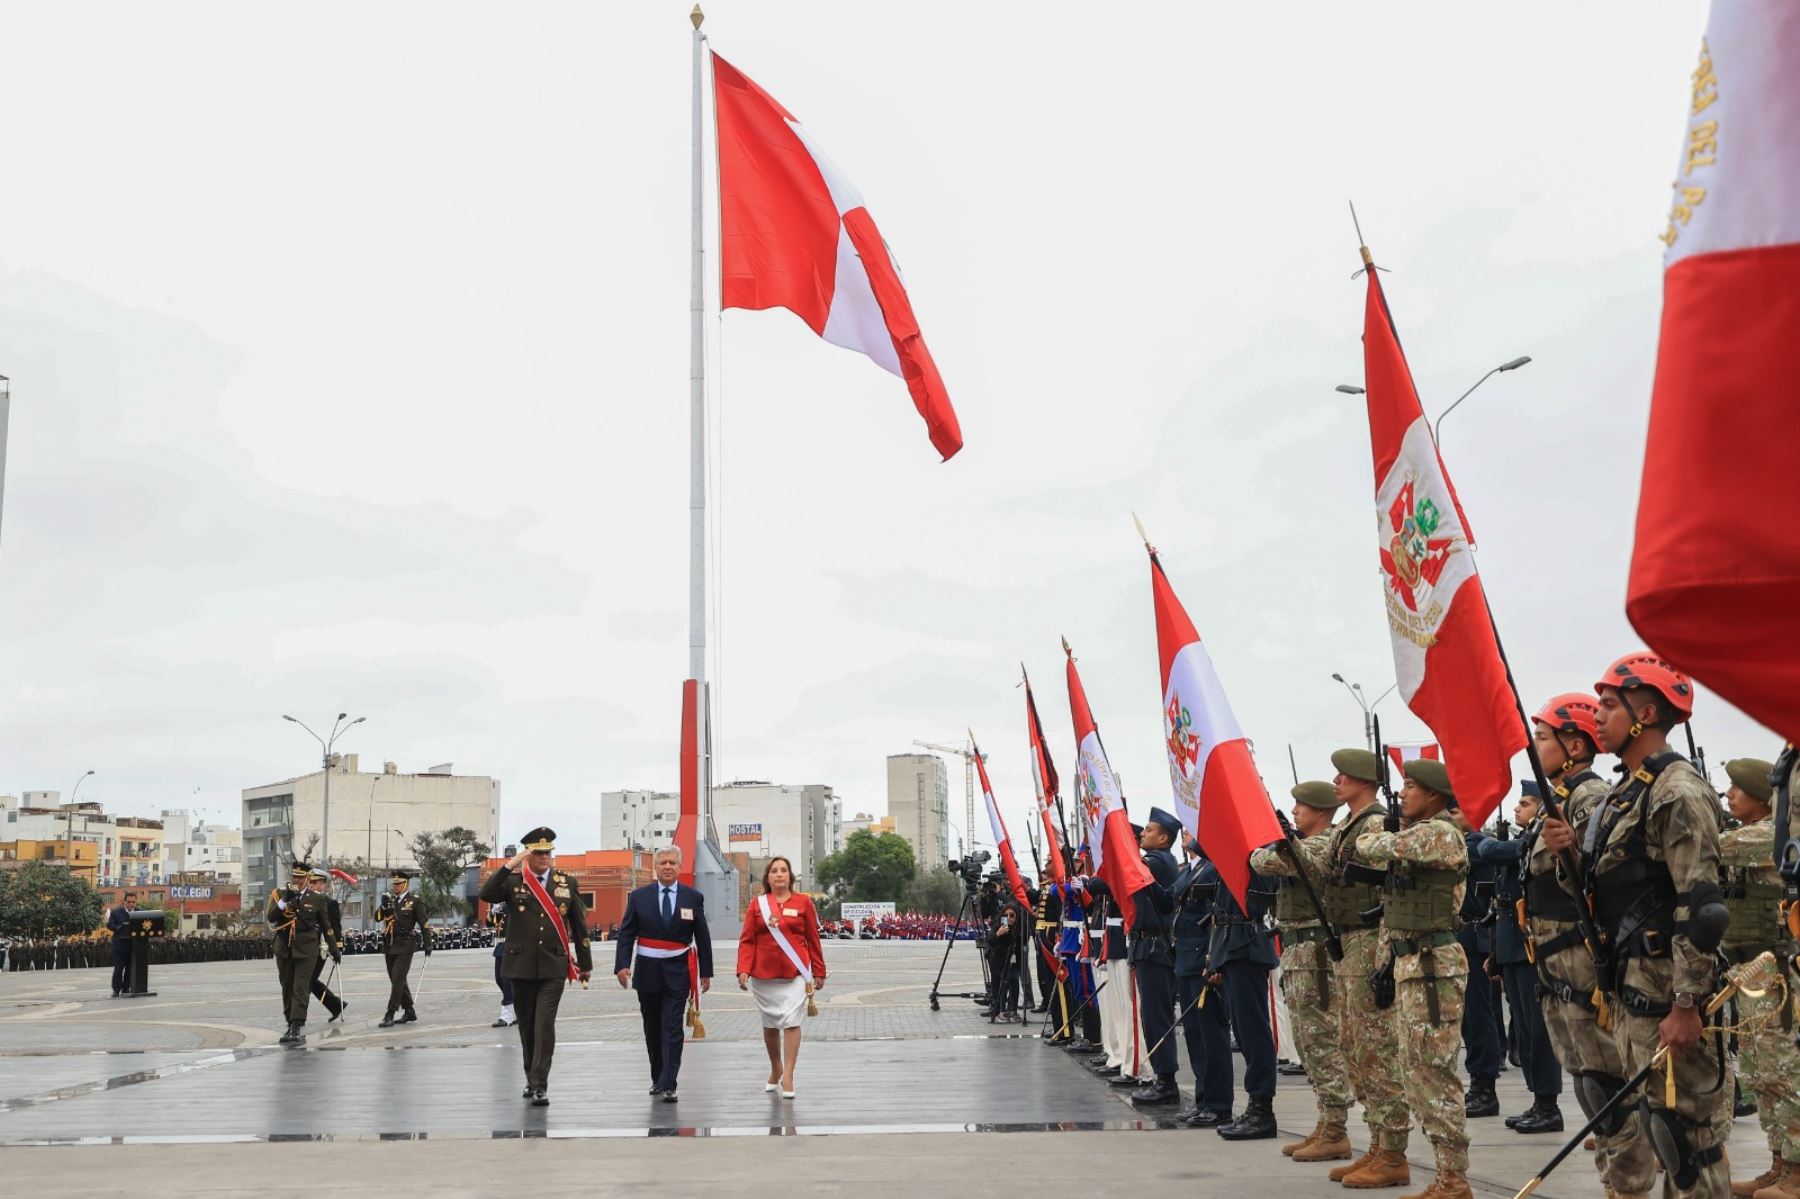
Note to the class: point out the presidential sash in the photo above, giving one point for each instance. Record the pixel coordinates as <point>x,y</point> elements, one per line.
<point>774,926</point>
<point>556,922</point>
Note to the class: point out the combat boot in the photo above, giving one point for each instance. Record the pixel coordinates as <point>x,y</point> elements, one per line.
<point>1769,1177</point>
<point>1451,1184</point>
<point>1339,1173</point>
<point>1544,1116</point>
<point>1480,1099</point>
<point>1388,1169</point>
<point>1256,1124</point>
<point>1329,1145</point>
<point>1289,1149</point>
<point>1785,1187</point>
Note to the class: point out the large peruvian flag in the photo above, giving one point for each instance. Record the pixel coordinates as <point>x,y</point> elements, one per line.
<point>795,235</point>
<point>1045,783</point>
<point>1446,658</point>
<point>1715,571</point>
<point>1111,847</point>
<point>1218,793</point>
<point>1008,861</point>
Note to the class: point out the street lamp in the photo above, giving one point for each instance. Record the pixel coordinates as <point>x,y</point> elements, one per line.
<point>338,729</point>
<point>1513,365</point>
<point>1368,708</point>
<point>73,792</point>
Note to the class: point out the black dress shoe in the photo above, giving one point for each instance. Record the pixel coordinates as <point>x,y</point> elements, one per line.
<point>668,1096</point>
<point>339,1014</point>
<point>1291,1069</point>
<point>412,1016</point>
<point>1081,1045</point>
<point>1158,1093</point>
<point>1207,1118</point>
<point>1256,1124</point>
<point>539,1099</point>
<point>387,1021</point>
<point>1097,1061</point>
<point>1123,1080</point>
<point>1513,1121</point>
<point>656,1088</point>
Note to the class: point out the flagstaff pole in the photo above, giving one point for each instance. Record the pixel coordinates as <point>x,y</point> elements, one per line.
<point>697,445</point>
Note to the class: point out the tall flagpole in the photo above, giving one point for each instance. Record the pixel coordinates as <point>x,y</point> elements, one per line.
<point>697,455</point>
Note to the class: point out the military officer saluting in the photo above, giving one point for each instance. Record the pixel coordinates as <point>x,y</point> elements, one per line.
<point>1427,862</point>
<point>403,929</point>
<point>300,919</point>
<point>546,948</point>
<point>1153,956</point>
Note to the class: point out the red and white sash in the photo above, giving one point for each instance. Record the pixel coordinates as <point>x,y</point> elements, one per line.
<point>774,924</point>
<point>556,922</point>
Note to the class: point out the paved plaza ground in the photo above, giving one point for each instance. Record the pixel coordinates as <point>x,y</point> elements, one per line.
<point>187,1094</point>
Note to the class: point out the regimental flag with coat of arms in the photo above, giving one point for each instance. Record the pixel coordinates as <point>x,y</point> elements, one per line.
<point>1111,846</point>
<point>1715,566</point>
<point>1219,795</point>
<point>1447,661</point>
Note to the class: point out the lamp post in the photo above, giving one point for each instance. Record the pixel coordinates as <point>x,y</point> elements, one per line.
<point>1368,708</point>
<point>73,792</point>
<point>1512,365</point>
<point>338,729</point>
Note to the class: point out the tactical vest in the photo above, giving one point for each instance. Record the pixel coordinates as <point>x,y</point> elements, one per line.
<point>1755,907</point>
<point>1633,903</point>
<point>1291,906</point>
<point>1353,890</point>
<point>1420,898</point>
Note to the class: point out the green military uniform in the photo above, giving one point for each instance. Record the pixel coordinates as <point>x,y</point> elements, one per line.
<point>299,919</point>
<point>403,925</point>
<point>1768,1059</point>
<point>1428,864</point>
<point>1649,844</point>
<point>534,957</point>
<point>1306,972</point>
<point>1370,1039</point>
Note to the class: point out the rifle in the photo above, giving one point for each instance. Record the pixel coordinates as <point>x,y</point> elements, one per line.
<point>1696,756</point>
<point>1392,822</point>
<point>1293,765</point>
<point>1291,842</point>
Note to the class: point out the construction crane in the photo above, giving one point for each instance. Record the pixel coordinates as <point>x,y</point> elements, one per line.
<point>966,752</point>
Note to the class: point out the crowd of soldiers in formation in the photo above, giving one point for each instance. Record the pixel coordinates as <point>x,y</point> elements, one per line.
<point>80,953</point>
<point>1627,916</point>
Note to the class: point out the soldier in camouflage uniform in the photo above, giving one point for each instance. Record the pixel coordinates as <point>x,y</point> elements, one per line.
<point>1650,854</point>
<point>1769,1061</point>
<point>1306,971</point>
<point>1368,1034</point>
<point>1567,740</point>
<point>1428,865</point>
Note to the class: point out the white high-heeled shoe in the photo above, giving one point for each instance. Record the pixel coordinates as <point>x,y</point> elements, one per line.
<point>787,1094</point>
<point>769,1086</point>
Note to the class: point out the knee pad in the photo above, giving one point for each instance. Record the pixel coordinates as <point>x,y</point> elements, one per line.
<point>1671,1136</point>
<point>1592,1091</point>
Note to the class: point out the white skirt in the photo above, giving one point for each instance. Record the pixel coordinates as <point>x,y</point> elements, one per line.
<point>782,1001</point>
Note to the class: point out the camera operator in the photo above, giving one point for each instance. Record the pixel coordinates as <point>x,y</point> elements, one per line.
<point>1004,931</point>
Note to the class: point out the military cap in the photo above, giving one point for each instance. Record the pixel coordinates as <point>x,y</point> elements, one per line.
<point>402,873</point>
<point>539,840</point>
<point>1530,790</point>
<point>317,872</point>
<point>1169,823</point>
<point>300,869</point>
<point>1356,764</point>
<point>1430,775</point>
<point>1752,776</point>
<point>1137,830</point>
<point>1315,794</point>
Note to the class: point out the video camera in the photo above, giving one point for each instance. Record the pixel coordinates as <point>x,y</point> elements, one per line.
<point>969,868</point>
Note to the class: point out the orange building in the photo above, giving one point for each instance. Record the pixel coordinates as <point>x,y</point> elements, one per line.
<point>604,877</point>
<point>85,863</point>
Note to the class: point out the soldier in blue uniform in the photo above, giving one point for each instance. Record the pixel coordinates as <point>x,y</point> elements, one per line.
<point>1543,1074</point>
<point>1153,957</point>
<point>1480,1034</point>
<point>1205,1023</point>
<point>1240,957</point>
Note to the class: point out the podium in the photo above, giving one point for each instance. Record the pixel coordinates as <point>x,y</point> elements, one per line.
<point>146,925</point>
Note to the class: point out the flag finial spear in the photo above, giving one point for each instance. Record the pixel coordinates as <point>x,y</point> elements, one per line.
<point>1368,260</point>
<point>1066,648</point>
<point>696,16</point>
<point>1141,533</point>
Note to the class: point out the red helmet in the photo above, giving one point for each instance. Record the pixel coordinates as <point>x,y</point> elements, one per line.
<point>1645,669</point>
<point>1572,712</point>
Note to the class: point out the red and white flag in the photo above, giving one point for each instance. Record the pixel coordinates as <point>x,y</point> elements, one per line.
<point>1402,752</point>
<point>1446,658</point>
<point>795,235</point>
<point>1715,568</point>
<point>1111,846</point>
<point>1008,861</point>
<point>1045,783</point>
<point>1219,796</point>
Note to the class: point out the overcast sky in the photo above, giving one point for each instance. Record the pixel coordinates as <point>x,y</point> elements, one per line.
<point>349,369</point>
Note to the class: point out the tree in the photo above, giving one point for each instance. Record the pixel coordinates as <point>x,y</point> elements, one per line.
<point>442,859</point>
<point>936,893</point>
<point>42,900</point>
<point>873,867</point>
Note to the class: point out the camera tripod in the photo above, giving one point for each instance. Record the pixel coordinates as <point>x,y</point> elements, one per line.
<point>949,944</point>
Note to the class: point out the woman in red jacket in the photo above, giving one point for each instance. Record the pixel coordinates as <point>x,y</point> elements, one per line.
<point>781,963</point>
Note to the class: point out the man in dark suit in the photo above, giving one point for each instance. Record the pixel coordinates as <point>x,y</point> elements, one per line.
<point>665,924</point>
<point>535,956</point>
<point>119,921</point>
